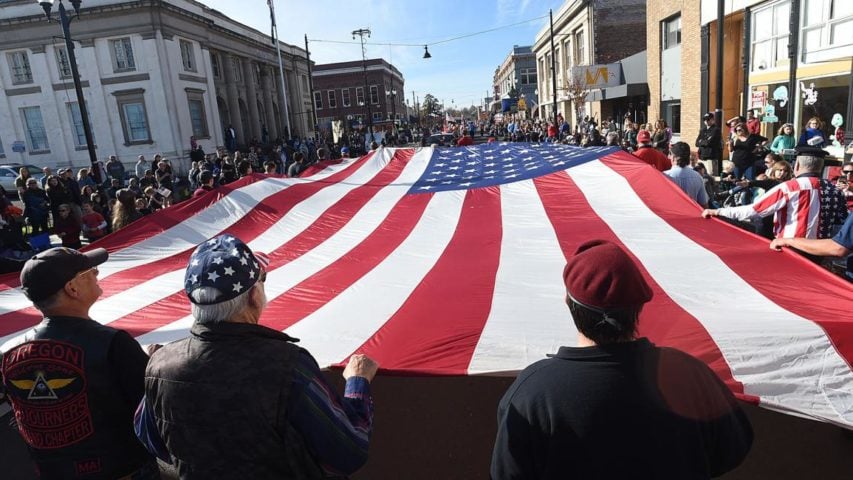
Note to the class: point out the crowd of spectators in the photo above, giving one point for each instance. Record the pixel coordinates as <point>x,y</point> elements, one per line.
<point>83,206</point>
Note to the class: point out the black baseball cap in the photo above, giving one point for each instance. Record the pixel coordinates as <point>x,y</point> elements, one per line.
<point>707,116</point>
<point>47,272</point>
<point>810,151</point>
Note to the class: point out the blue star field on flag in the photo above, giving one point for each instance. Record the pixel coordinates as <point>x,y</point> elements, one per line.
<point>462,168</point>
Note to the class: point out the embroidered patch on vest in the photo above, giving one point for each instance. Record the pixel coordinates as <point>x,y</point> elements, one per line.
<point>46,383</point>
<point>87,467</point>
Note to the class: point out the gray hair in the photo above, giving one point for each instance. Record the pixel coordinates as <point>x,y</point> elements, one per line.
<point>217,312</point>
<point>810,163</point>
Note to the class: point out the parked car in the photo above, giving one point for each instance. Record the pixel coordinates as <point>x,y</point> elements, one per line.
<point>9,172</point>
<point>442,140</point>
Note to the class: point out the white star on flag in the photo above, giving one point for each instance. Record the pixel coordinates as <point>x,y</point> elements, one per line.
<point>212,276</point>
<point>229,271</point>
<point>243,261</point>
<point>218,261</point>
<point>237,287</point>
<point>193,278</point>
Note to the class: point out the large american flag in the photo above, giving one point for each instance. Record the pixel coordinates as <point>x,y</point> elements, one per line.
<point>449,261</point>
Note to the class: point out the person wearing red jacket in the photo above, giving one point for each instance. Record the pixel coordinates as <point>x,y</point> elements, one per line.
<point>647,153</point>
<point>93,223</point>
<point>552,132</point>
<point>67,228</point>
<point>465,141</point>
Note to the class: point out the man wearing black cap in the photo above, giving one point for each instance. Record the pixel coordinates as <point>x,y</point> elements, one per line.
<point>240,400</point>
<point>616,406</point>
<point>709,141</point>
<point>806,206</point>
<point>74,384</point>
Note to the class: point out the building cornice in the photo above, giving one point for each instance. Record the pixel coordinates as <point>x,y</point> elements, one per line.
<point>34,29</point>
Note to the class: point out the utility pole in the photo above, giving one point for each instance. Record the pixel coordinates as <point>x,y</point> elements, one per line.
<point>287,128</point>
<point>311,87</point>
<point>718,112</point>
<point>361,32</point>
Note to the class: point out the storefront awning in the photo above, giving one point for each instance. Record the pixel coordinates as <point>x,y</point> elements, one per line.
<point>619,91</point>
<point>634,75</point>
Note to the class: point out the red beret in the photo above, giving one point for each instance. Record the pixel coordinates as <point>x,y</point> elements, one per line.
<point>644,136</point>
<point>602,276</point>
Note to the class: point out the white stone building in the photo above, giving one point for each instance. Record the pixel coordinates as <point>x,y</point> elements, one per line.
<point>154,73</point>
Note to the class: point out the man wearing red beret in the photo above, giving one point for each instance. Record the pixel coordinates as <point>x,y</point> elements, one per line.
<point>615,405</point>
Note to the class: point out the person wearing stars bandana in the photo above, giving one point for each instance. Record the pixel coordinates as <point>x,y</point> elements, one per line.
<point>240,400</point>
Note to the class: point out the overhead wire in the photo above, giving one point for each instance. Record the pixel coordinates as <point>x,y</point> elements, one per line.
<point>438,42</point>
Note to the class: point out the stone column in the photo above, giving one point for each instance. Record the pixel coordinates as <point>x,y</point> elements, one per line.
<point>266,88</point>
<point>233,96</point>
<point>252,94</point>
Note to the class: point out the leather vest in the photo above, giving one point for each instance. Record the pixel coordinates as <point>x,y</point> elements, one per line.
<point>219,400</point>
<point>67,405</point>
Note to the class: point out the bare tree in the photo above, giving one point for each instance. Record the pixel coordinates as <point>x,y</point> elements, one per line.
<point>575,88</point>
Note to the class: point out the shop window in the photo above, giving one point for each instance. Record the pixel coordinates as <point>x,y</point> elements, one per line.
<point>823,98</point>
<point>777,95</point>
<point>770,36</point>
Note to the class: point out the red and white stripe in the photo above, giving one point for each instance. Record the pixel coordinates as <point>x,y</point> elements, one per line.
<point>469,282</point>
<point>795,204</point>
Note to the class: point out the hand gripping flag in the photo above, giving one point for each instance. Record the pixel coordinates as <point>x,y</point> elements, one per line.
<point>448,262</point>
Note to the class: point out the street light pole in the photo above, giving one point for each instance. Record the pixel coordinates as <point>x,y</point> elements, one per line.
<point>65,22</point>
<point>393,95</point>
<point>361,32</point>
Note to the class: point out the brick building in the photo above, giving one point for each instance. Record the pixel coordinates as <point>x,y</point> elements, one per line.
<point>516,76</point>
<point>673,31</point>
<point>757,73</point>
<point>586,32</point>
<point>339,95</point>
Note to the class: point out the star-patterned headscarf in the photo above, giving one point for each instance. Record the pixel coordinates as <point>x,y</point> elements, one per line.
<point>225,263</point>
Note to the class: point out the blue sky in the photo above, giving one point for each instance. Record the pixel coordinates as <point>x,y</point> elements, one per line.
<point>460,70</point>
